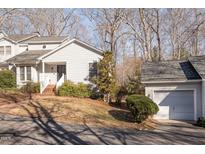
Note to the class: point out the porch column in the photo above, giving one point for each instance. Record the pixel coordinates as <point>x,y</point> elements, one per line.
<point>203,97</point>
<point>43,70</point>
<point>66,70</point>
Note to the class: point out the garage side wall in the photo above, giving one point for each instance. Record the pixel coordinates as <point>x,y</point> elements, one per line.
<point>150,88</point>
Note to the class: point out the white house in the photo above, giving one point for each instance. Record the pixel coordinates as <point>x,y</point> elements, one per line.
<point>11,45</point>
<point>178,87</point>
<point>49,60</point>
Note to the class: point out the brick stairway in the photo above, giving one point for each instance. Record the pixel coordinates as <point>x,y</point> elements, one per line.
<point>49,91</point>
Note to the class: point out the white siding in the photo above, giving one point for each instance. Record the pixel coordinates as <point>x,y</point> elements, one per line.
<point>40,46</point>
<point>150,88</point>
<point>77,59</point>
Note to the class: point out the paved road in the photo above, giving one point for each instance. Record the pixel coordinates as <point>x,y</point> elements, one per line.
<point>18,130</point>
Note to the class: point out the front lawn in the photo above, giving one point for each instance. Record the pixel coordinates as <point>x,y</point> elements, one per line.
<point>69,110</point>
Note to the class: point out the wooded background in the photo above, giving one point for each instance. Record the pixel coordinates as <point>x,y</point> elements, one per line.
<point>131,34</point>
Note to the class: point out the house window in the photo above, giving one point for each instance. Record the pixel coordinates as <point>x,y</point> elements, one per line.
<point>22,73</point>
<point>28,72</point>
<point>92,70</point>
<point>1,50</point>
<point>8,50</point>
<point>27,76</point>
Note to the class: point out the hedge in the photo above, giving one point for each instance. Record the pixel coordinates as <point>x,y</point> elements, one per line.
<point>141,107</point>
<point>76,90</point>
<point>7,79</point>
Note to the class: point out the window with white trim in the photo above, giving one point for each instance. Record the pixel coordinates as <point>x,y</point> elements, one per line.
<point>25,73</point>
<point>28,73</point>
<point>1,50</point>
<point>5,50</point>
<point>92,70</point>
<point>8,50</point>
<point>22,73</point>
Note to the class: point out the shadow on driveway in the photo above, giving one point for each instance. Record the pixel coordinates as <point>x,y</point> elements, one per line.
<point>41,128</point>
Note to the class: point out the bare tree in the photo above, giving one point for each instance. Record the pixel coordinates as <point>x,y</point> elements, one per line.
<point>108,24</point>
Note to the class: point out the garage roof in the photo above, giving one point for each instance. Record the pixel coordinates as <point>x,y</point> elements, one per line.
<point>169,71</point>
<point>199,64</point>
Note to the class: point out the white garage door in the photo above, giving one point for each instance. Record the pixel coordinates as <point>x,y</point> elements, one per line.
<point>178,104</point>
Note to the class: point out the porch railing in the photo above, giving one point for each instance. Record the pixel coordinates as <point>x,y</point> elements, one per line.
<point>43,85</point>
<point>60,82</point>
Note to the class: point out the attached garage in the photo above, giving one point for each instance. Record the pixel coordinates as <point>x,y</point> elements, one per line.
<point>175,104</point>
<point>177,87</point>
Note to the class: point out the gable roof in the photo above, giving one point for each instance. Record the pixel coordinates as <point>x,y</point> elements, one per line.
<point>94,49</point>
<point>169,71</point>
<point>8,39</point>
<point>27,57</point>
<point>47,39</point>
<point>21,37</point>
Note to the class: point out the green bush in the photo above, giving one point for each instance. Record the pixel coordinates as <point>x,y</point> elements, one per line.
<point>201,122</point>
<point>141,107</point>
<point>95,92</point>
<point>76,90</point>
<point>30,87</point>
<point>7,79</point>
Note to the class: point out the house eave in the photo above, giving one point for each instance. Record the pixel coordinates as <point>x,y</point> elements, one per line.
<point>171,81</point>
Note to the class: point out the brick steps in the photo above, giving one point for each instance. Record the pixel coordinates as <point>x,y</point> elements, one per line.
<point>49,91</point>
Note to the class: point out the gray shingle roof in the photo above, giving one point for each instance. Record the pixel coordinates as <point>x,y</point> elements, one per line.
<point>3,64</point>
<point>27,57</point>
<point>18,37</point>
<point>199,64</point>
<point>169,71</point>
<point>44,39</point>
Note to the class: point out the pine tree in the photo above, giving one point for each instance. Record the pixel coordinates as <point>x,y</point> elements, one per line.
<point>106,76</point>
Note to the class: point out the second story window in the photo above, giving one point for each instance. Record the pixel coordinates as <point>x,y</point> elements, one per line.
<point>1,50</point>
<point>5,50</point>
<point>8,50</point>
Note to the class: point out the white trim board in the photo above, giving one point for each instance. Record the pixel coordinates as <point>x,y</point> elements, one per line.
<point>180,81</point>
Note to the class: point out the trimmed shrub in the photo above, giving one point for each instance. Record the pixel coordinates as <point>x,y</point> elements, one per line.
<point>201,122</point>
<point>30,87</point>
<point>76,90</point>
<point>95,92</point>
<point>141,107</point>
<point>7,79</point>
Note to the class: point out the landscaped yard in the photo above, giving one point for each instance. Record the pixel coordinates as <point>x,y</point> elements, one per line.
<point>69,110</point>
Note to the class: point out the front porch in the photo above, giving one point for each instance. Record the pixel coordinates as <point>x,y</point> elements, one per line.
<point>52,73</point>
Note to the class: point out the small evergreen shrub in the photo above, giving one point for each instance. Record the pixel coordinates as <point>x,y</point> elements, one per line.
<point>76,90</point>
<point>201,122</point>
<point>95,92</point>
<point>7,79</point>
<point>141,107</point>
<point>30,87</point>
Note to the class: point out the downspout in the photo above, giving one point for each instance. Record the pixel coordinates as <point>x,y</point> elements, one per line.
<point>203,97</point>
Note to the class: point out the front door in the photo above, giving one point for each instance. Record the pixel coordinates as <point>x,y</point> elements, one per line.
<point>61,69</point>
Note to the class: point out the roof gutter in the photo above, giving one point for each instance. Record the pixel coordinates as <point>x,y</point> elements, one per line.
<point>180,81</point>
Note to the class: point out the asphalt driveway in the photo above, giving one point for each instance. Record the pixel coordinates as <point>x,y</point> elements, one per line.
<point>19,130</point>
